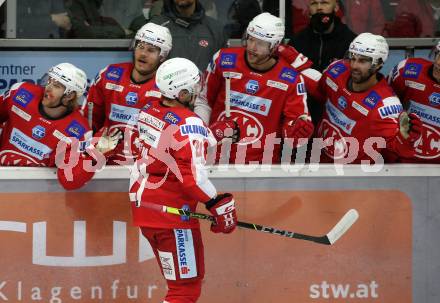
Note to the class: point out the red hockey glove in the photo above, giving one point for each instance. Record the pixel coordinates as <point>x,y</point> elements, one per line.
<point>299,128</point>
<point>108,141</point>
<point>410,127</point>
<point>225,129</point>
<point>293,57</point>
<point>406,139</point>
<point>222,208</point>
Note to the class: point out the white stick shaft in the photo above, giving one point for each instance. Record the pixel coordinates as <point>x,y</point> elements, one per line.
<point>90,113</point>
<point>228,97</point>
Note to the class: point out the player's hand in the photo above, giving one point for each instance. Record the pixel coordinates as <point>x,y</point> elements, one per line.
<point>302,127</point>
<point>225,129</point>
<point>410,127</point>
<point>222,208</point>
<point>293,57</point>
<point>108,141</point>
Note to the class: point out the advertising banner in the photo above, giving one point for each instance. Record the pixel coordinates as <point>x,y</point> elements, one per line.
<point>30,66</point>
<point>81,247</point>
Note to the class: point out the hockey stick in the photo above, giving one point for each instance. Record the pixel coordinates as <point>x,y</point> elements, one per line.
<point>228,97</point>
<point>330,238</point>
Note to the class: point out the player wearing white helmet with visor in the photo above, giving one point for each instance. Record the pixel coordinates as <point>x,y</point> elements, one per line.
<point>263,34</point>
<point>360,106</point>
<point>256,97</point>
<point>170,168</point>
<point>151,46</point>
<point>42,126</point>
<point>64,85</point>
<point>120,90</point>
<point>367,54</point>
<point>181,85</point>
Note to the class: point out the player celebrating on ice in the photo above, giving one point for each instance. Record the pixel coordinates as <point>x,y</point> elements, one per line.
<point>120,90</point>
<point>267,96</point>
<point>417,83</point>
<point>170,170</point>
<point>361,117</point>
<point>37,119</point>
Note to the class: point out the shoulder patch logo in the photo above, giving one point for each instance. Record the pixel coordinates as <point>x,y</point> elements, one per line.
<point>288,74</point>
<point>337,70</point>
<point>23,97</point>
<point>412,70</point>
<point>114,73</point>
<point>228,60</point>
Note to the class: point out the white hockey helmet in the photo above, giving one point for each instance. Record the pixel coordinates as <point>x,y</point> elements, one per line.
<point>156,35</point>
<point>73,78</point>
<point>268,28</point>
<point>370,45</point>
<point>177,74</point>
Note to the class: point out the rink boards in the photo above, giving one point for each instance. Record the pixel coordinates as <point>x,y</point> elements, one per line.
<point>80,246</point>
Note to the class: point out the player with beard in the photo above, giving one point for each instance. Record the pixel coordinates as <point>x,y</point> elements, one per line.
<point>362,113</point>
<point>268,99</point>
<point>120,90</point>
<point>43,122</point>
<point>170,170</point>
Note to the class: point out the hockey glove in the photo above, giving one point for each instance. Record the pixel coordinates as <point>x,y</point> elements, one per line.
<point>108,141</point>
<point>222,208</point>
<point>225,129</point>
<point>299,128</point>
<point>408,135</point>
<point>410,127</point>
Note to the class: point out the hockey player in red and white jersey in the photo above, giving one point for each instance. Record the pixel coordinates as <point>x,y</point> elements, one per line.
<point>417,83</point>
<point>121,90</point>
<point>169,170</point>
<point>268,99</point>
<point>37,119</point>
<point>361,118</point>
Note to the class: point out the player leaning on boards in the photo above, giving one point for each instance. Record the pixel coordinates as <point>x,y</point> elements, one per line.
<point>170,170</point>
<point>362,113</point>
<point>121,90</point>
<point>39,119</point>
<point>267,95</point>
<point>417,83</point>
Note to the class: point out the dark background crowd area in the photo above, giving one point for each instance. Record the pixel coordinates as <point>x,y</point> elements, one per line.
<point>98,19</point>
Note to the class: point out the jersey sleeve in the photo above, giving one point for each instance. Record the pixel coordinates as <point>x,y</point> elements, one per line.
<point>396,80</point>
<point>5,102</point>
<point>73,173</point>
<point>312,81</point>
<point>4,112</point>
<point>190,155</point>
<point>94,107</point>
<point>296,105</point>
